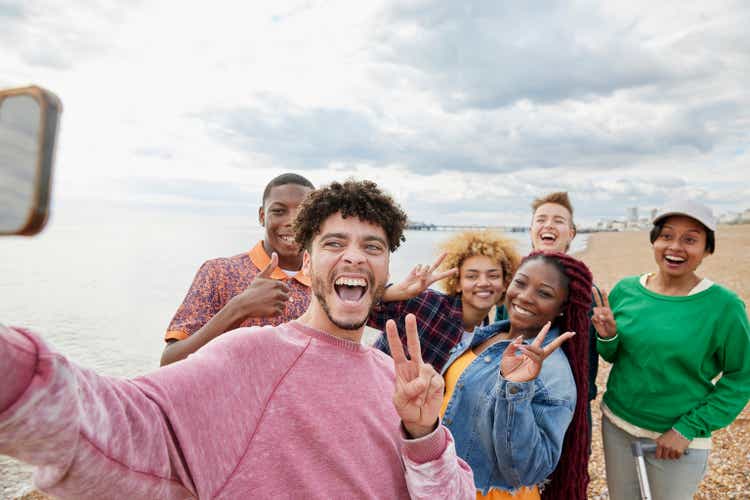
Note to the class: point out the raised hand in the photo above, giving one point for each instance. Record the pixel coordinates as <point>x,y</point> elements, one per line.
<point>523,362</point>
<point>265,297</point>
<point>419,388</point>
<point>602,318</point>
<point>418,280</point>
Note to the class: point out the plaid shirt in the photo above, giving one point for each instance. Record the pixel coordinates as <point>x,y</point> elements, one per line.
<point>439,320</point>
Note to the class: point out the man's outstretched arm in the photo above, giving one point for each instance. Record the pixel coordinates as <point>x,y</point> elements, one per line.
<point>89,436</point>
<point>92,436</point>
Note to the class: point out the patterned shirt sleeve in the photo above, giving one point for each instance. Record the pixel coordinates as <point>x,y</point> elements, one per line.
<point>202,302</point>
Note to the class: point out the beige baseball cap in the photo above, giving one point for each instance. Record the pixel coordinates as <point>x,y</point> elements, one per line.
<point>690,208</point>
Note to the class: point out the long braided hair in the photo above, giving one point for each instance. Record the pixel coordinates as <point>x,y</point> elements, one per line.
<point>570,478</point>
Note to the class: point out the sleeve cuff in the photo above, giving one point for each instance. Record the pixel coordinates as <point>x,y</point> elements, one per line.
<point>601,339</point>
<point>427,448</point>
<point>683,430</point>
<point>175,335</point>
<point>515,391</point>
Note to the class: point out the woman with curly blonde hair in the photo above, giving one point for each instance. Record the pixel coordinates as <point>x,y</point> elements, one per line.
<point>475,268</point>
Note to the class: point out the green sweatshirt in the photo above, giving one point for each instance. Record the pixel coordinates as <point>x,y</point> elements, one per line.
<point>666,353</point>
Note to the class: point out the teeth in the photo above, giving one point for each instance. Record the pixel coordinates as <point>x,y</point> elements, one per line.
<point>484,294</point>
<point>547,235</point>
<point>672,258</point>
<point>522,311</point>
<point>288,239</point>
<point>351,282</point>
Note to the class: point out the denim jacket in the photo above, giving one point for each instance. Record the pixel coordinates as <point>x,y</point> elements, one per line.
<point>510,433</point>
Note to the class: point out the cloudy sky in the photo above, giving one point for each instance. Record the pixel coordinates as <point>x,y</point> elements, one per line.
<point>464,111</point>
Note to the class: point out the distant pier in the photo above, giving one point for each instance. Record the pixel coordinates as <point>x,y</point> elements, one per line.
<point>426,226</point>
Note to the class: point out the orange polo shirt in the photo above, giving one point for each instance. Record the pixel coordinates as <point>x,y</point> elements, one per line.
<point>218,280</point>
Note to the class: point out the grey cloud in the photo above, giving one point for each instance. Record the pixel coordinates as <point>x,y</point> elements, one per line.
<point>488,55</point>
<point>314,138</point>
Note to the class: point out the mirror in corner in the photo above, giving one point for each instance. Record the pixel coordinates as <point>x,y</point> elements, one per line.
<point>28,129</point>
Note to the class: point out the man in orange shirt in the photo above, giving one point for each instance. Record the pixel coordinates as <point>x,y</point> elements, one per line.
<point>261,287</point>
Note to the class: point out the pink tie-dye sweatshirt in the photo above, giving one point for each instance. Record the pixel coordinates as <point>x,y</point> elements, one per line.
<point>270,412</point>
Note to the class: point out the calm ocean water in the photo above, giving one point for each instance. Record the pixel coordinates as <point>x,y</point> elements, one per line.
<point>103,288</point>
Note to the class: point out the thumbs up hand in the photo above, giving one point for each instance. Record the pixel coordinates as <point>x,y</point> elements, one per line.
<point>266,296</point>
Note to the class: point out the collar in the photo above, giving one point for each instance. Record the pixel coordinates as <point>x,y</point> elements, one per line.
<point>260,258</point>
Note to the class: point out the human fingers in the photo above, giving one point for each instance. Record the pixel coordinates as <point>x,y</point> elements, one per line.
<point>557,343</point>
<point>533,353</point>
<point>426,373</point>
<point>542,334</point>
<point>605,298</point>
<point>394,342</point>
<point>282,296</point>
<point>438,261</point>
<point>660,452</point>
<point>414,389</point>
<point>445,274</point>
<point>412,339</point>
<point>270,267</point>
<point>597,299</point>
<point>512,350</point>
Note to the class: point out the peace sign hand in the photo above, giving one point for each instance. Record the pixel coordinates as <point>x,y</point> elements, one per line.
<point>419,279</point>
<point>602,318</point>
<point>419,388</point>
<point>525,365</point>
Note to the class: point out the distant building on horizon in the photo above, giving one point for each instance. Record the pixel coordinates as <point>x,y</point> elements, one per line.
<point>631,214</point>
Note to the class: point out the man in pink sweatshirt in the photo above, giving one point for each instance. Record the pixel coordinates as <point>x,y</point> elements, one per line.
<point>299,410</point>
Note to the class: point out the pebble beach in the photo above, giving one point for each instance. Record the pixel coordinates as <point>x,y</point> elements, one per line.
<point>612,256</point>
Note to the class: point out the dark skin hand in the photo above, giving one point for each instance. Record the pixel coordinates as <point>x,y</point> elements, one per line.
<point>523,362</point>
<point>264,298</point>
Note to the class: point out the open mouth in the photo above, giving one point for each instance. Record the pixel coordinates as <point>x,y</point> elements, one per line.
<point>350,289</point>
<point>548,237</point>
<point>287,238</point>
<point>674,259</point>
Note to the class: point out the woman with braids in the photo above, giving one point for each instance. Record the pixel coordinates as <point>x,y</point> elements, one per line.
<point>512,396</point>
<point>476,267</point>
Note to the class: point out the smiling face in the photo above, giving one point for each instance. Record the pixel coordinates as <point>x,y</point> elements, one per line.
<point>348,263</point>
<point>480,281</point>
<point>680,247</point>
<point>552,228</point>
<point>277,215</point>
<point>535,295</point>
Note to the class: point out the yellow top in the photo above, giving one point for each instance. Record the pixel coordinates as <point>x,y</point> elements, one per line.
<point>452,375</point>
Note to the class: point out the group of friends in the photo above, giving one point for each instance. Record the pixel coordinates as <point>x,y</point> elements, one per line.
<point>479,390</point>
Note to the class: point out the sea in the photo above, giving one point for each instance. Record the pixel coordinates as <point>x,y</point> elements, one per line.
<point>102,287</point>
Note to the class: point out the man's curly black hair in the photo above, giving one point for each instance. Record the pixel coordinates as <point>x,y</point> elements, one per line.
<point>361,199</point>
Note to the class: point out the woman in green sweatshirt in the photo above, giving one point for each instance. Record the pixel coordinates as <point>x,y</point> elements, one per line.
<point>668,335</point>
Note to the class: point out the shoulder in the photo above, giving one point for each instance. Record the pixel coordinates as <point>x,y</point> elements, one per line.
<point>626,283</point>
<point>262,346</point>
<point>382,360</point>
<point>726,295</point>
<point>625,286</point>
